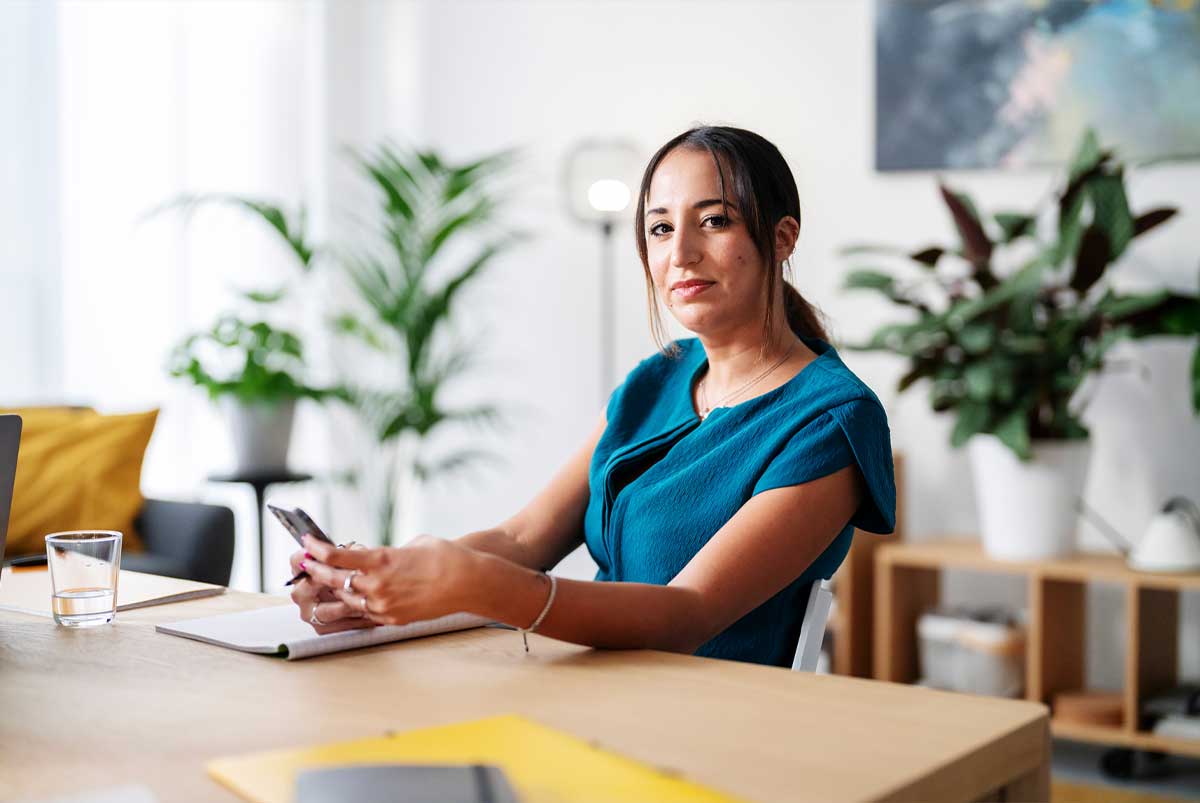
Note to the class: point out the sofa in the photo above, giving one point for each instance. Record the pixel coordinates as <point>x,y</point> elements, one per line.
<point>188,540</point>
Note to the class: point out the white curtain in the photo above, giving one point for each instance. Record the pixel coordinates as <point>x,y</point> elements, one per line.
<point>154,100</point>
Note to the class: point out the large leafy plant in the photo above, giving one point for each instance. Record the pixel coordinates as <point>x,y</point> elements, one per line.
<point>436,231</point>
<point>244,355</point>
<point>1006,351</point>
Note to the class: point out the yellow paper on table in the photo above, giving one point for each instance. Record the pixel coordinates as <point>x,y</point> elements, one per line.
<point>542,764</point>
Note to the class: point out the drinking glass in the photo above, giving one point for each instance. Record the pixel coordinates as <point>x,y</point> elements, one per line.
<point>84,566</point>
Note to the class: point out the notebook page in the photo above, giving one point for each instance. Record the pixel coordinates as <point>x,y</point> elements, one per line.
<point>280,631</point>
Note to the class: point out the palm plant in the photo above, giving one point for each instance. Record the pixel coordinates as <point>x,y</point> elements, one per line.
<point>407,286</point>
<point>247,357</point>
<point>1007,353</point>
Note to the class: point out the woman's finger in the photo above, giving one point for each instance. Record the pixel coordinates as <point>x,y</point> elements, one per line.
<point>294,561</point>
<point>304,593</point>
<point>343,624</point>
<point>355,599</point>
<point>325,575</point>
<point>360,559</point>
<point>334,611</point>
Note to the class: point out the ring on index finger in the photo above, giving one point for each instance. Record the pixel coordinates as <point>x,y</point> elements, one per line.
<point>347,584</point>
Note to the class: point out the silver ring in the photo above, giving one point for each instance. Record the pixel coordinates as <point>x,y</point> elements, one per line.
<point>313,620</point>
<point>347,545</point>
<point>346,583</point>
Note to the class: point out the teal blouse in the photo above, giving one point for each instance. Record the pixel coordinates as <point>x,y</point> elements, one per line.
<point>662,482</point>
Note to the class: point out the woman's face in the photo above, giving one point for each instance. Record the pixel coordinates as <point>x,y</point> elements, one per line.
<point>702,260</point>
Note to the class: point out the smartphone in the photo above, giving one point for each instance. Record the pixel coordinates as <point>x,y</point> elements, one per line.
<point>298,523</point>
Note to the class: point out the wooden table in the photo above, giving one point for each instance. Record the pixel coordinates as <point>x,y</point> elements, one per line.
<point>122,704</point>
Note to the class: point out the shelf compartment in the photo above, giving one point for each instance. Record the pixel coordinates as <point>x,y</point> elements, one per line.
<point>1121,737</point>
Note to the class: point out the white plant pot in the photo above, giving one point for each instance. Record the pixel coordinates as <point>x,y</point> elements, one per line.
<point>261,433</point>
<point>1027,510</point>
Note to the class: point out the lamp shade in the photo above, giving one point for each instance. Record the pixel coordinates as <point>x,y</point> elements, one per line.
<point>600,179</point>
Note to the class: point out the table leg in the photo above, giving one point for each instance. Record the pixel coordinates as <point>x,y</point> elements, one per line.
<point>1033,785</point>
<point>260,496</point>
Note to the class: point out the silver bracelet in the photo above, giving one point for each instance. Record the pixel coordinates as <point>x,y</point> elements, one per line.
<point>538,621</point>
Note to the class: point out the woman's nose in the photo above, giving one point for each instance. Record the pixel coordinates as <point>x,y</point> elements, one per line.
<point>684,250</point>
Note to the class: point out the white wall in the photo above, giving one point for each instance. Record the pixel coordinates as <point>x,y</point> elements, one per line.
<point>155,100</point>
<point>545,74</point>
<point>30,307</point>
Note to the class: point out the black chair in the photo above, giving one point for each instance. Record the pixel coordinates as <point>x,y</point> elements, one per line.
<point>188,540</point>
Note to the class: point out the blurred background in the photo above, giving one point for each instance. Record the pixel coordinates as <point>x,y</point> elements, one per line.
<point>112,109</point>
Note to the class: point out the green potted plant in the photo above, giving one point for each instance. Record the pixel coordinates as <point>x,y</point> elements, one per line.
<point>437,230</point>
<point>1006,351</point>
<point>252,368</point>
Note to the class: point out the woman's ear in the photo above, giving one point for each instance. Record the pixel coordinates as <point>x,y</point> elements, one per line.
<point>787,231</point>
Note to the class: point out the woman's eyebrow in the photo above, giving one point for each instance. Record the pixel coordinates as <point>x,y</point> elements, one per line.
<point>662,210</point>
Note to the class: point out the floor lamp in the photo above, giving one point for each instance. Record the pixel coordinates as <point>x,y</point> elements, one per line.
<point>599,180</point>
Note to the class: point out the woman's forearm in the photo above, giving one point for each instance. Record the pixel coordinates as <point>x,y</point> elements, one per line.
<point>498,541</point>
<point>596,614</point>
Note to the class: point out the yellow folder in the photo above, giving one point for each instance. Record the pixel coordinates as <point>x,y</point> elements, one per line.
<point>542,764</point>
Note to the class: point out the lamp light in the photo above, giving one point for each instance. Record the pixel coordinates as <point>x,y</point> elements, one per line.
<point>598,180</point>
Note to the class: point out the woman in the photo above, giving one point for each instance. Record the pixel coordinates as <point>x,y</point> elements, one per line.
<point>728,472</point>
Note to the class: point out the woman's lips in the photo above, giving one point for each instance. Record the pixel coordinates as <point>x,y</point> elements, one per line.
<point>691,289</point>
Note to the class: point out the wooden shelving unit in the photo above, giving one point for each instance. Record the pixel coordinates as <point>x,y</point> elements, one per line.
<point>907,582</point>
<point>854,591</point>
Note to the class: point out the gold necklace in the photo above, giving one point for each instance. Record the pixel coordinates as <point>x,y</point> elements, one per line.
<point>706,408</point>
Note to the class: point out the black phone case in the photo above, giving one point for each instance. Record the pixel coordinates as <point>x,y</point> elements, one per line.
<point>297,523</point>
<point>309,526</point>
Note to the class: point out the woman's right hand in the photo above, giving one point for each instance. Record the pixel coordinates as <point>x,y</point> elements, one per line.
<point>310,596</point>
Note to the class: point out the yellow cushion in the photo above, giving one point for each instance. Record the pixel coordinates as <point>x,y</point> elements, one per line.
<point>77,470</point>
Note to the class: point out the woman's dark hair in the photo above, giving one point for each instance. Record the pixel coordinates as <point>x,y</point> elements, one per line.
<point>763,192</point>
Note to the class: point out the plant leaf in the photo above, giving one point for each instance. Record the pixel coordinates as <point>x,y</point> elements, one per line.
<point>980,382</point>
<point>1093,256</point>
<point>1013,431</point>
<point>1111,211</point>
<point>1153,218</point>
<point>264,296</point>
<point>451,463</point>
<point>972,419</point>
<point>1014,224</point>
<point>1196,380</point>
<point>977,248</point>
<point>928,256</point>
<point>1088,156</point>
<point>865,279</point>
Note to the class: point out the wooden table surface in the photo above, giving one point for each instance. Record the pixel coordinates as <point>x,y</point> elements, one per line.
<point>121,704</point>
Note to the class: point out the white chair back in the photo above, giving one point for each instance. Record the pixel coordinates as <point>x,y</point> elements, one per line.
<point>812,628</point>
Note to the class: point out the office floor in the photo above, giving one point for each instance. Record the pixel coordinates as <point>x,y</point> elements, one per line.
<point>1076,778</point>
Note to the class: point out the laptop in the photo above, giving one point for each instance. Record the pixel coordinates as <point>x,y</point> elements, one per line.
<point>10,439</point>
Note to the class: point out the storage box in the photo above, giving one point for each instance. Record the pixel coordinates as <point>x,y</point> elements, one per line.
<point>978,651</point>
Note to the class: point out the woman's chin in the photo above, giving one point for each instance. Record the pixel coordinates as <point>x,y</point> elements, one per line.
<point>694,319</point>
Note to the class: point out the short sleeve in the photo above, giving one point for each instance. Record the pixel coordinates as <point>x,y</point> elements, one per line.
<point>855,432</point>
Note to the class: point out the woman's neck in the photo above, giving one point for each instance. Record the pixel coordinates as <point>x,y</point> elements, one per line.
<point>737,356</point>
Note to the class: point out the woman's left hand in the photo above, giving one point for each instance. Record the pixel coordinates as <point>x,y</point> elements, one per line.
<point>425,579</point>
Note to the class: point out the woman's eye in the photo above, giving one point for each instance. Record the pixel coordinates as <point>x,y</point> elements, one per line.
<point>717,221</point>
<point>658,229</point>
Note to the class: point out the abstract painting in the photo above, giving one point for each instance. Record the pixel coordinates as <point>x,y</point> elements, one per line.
<point>1013,83</point>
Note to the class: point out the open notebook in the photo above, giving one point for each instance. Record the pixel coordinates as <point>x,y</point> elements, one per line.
<point>279,631</point>
<point>28,590</point>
